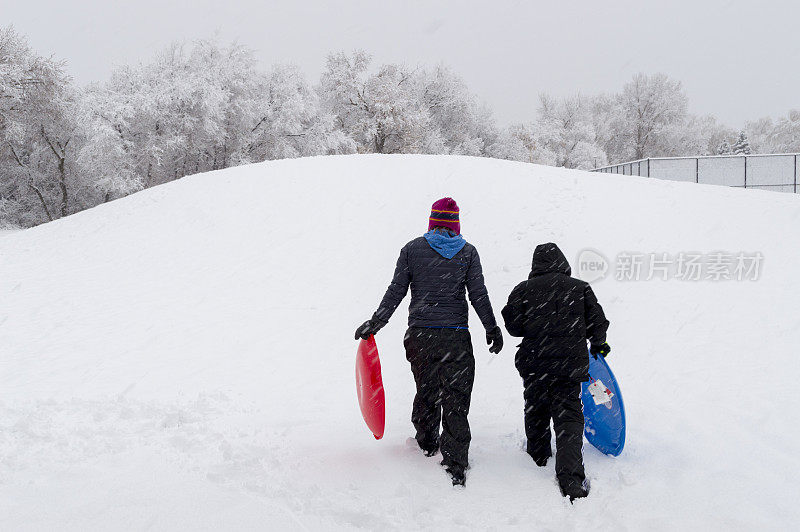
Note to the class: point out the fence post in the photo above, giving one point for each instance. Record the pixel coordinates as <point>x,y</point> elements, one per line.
<point>795,173</point>
<point>697,170</point>
<point>648,167</point>
<point>745,171</point>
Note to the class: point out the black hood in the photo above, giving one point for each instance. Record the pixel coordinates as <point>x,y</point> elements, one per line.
<point>547,258</point>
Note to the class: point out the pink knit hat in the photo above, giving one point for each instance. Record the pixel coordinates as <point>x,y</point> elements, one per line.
<point>444,213</point>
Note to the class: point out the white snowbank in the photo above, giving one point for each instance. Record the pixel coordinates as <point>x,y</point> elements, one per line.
<point>183,358</point>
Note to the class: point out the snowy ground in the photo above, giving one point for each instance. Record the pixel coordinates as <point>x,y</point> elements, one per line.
<point>183,358</point>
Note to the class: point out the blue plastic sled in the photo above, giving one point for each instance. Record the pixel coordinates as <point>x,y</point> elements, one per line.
<point>605,423</point>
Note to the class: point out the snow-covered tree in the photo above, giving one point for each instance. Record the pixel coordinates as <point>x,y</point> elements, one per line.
<point>694,135</point>
<point>519,142</point>
<point>183,113</point>
<point>465,126</point>
<point>565,129</point>
<point>206,108</point>
<point>40,136</point>
<point>291,123</point>
<point>741,146</point>
<point>106,159</point>
<point>724,148</point>
<point>563,134</point>
<point>402,110</point>
<point>647,107</point>
<point>786,136</point>
<point>781,136</point>
<point>382,112</point>
<point>605,112</point>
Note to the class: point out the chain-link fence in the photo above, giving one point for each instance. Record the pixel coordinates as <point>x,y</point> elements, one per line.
<point>770,172</point>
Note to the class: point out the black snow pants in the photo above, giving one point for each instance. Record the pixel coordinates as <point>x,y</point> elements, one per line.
<point>444,370</point>
<point>559,399</point>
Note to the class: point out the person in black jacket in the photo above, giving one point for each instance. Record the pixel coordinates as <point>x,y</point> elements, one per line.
<point>555,315</point>
<point>440,267</point>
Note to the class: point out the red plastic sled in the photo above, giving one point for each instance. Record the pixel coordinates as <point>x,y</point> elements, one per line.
<point>369,386</point>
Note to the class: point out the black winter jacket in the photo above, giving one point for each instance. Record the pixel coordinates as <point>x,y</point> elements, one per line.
<point>438,287</point>
<point>555,314</point>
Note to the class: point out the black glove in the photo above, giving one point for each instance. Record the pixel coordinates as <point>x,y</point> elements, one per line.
<point>602,349</point>
<point>368,328</point>
<point>494,338</point>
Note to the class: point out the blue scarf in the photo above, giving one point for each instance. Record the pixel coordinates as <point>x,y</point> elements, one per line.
<point>445,244</point>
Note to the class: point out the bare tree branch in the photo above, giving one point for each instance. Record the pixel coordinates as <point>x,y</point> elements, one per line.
<point>41,199</point>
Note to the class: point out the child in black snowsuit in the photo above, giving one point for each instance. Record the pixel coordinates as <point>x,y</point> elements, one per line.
<point>555,314</point>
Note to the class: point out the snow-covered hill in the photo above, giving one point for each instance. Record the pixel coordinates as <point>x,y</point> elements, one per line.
<point>183,358</point>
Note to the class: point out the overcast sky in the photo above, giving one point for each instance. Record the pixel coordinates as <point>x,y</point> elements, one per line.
<point>737,60</point>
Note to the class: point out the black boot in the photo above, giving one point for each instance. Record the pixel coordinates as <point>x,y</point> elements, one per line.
<point>540,461</point>
<point>429,449</point>
<point>575,491</point>
<point>457,475</point>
